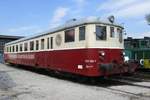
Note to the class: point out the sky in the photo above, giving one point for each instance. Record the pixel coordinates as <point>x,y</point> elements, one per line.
<point>28,17</point>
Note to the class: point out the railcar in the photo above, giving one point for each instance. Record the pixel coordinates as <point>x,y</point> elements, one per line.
<point>138,50</point>
<point>87,47</point>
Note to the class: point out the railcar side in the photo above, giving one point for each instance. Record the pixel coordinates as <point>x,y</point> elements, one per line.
<point>89,49</point>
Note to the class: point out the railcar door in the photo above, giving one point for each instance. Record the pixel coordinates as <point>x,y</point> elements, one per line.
<point>49,56</point>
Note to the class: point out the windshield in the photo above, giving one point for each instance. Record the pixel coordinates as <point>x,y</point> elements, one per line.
<point>119,31</point>
<point>100,32</point>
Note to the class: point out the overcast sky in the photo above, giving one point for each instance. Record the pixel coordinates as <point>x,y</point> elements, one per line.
<point>27,17</point>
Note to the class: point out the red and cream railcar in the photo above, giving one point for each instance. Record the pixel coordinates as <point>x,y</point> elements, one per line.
<point>88,47</point>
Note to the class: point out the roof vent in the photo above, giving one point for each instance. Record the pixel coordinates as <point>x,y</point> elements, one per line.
<point>111,19</point>
<point>71,20</point>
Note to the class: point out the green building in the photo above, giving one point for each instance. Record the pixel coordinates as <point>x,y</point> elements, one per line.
<point>138,49</point>
<point>5,39</point>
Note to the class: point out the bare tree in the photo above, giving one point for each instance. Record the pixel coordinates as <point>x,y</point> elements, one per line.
<point>148,18</point>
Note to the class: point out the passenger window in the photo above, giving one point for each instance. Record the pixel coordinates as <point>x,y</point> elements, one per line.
<point>119,31</point>
<point>51,42</point>
<point>100,32</point>
<point>7,49</point>
<point>42,44</point>
<point>16,48</point>
<point>10,49</point>
<point>47,43</point>
<point>82,33</point>
<point>37,45</point>
<point>13,50</point>
<point>25,46</point>
<point>112,32</point>
<point>70,35</point>
<point>20,47</point>
<point>32,45</point>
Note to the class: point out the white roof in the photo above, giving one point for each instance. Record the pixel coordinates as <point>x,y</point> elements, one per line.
<point>68,24</point>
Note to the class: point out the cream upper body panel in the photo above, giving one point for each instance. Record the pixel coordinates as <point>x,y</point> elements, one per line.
<point>56,39</point>
<point>110,42</point>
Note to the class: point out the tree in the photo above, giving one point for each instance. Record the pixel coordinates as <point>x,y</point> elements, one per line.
<point>148,18</point>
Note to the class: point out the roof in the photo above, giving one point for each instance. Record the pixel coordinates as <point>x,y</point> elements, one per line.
<point>134,39</point>
<point>69,24</point>
<point>10,37</point>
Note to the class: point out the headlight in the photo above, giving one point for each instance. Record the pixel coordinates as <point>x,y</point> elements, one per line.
<point>124,53</point>
<point>126,58</point>
<point>103,53</point>
<point>141,61</point>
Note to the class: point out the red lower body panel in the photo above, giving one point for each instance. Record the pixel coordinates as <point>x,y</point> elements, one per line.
<point>87,62</point>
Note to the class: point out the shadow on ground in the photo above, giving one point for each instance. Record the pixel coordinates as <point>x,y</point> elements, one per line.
<point>97,81</point>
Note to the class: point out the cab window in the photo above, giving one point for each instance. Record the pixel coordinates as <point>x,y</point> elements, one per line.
<point>112,33</point>
<point>82,33</point>
<point>100,32</point>
<point>119,31</point>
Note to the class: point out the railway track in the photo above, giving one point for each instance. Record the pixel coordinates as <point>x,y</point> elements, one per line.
<point>128,93</point>
<point>134,79</point>
<point>128,82</point>
<point>143,74</point>
<point>122,82</point>
<point>109,84</point>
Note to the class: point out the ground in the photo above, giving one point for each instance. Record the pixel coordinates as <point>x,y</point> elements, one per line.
<point>20,84</point>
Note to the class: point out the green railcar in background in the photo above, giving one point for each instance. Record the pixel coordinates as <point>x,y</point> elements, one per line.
<point>138,50</point>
